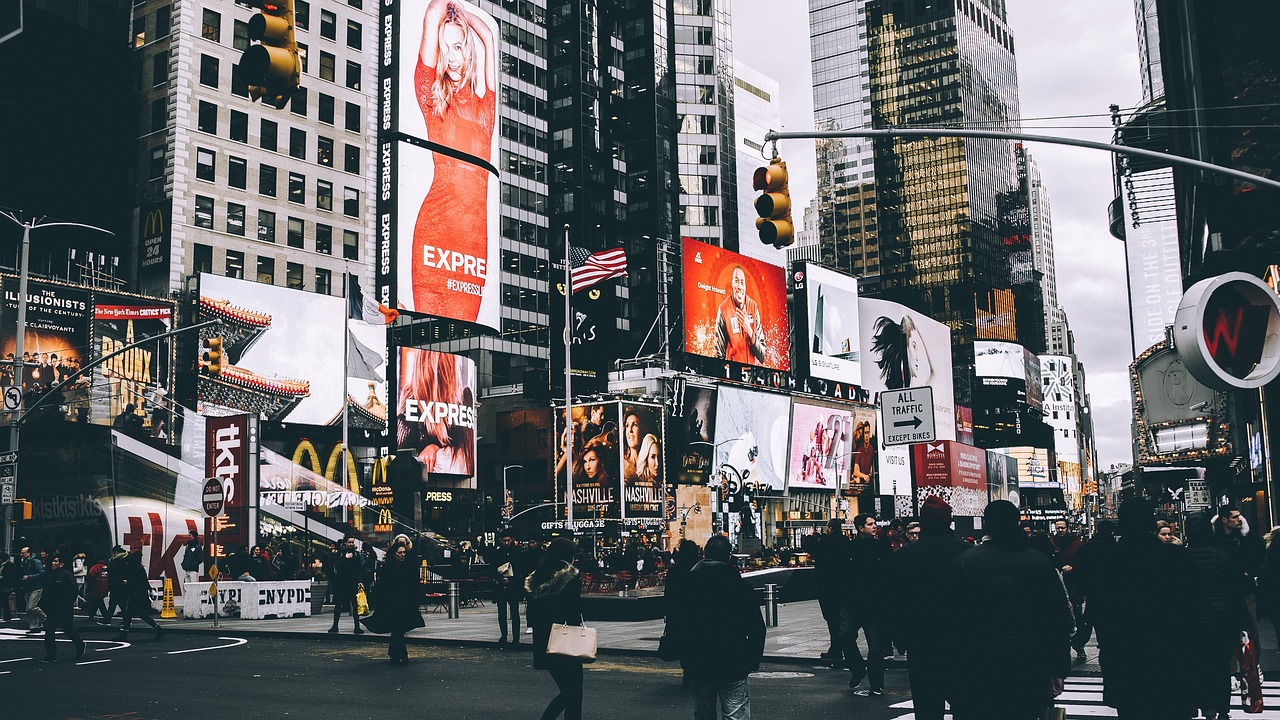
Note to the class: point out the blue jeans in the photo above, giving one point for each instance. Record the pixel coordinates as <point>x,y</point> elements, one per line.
<point>734,696</point>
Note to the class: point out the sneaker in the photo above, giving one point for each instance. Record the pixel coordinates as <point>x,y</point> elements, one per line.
<point>877,692</point>
<point>35,631</point>
<point>333,629</point>
<point>103,623</point>
<point>855,681</point>
<point>862,693</point>
<point>49,660</point>
<point>159,634</point>
<point>358,631</point>
<point>1080,657</point>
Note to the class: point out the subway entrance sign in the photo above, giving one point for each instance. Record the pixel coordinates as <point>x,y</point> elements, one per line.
<point>908,416</point>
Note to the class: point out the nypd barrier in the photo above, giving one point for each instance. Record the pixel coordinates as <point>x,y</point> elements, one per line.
<point>245,600</point>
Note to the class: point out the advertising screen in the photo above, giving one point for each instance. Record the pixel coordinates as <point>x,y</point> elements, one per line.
<point>56,336</point>
<point>1007,372</point>
<point>735,307</point>
<point>1057,375</point>
<point>955,472</point>
<point>595,334</point>
<point>864,450</point>
<point>1034,469</point>
<point>690,434</point>
<point>283,352</point>
<point>821,447</point>
<point>903,348</point>
<point>1002,477</point>
<point>436,410</point>
<point>751,439</point>
<point>642,472</point>
<point>136,376</point>
<point>597,460</point>
<point>828,341</point>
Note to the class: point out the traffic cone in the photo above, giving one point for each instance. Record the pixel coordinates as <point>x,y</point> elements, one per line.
<point>166,608</point>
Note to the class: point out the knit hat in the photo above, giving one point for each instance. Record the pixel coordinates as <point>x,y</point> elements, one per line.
<point>935,513</point>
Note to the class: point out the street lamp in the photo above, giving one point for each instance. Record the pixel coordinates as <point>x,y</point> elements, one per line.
<point>19,349</point>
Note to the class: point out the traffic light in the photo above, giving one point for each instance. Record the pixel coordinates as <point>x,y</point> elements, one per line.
<point>774,206</point>
<point>21,509</point>
<point>211,355</point>
<point>272,67</point>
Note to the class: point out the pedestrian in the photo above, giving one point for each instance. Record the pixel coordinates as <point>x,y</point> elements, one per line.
<point>115,582</point>
<point>96,587</point>
<point>259,566</point>
<point>1104,538</point>
<point>675,588</point>
<point>922,606</point>
<point>1010,652</point>
<point>1247,555</point>
<point>398,593</point>
<point>31,583</point>
<point>8,585</point>
<point>348,570</point>
<point>192,559</point>
<point>722,631</point>
<point>137,591</point>
<point>507,588</point>
<point>1221,615</point>
<point>327,567</point>
<point>865,606</point>
<point>831,576</point>
<point>554,590</point>
<point>369,567</point>
<point>1165,533</point>
<point>59,603</point>
<point>79,570</point>
<point>1142,605</point>
<point>1066,547</point>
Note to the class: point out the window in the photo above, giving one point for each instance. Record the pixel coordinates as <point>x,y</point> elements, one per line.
<point>324,281</point>
<point>302,14</point>
<point>159,68</point>
<point>235,265</point>
<point>298,103</point>
<point>239,85</point>
<point>355,35</point>
<point>266,226</point>
<point>159,114</point>
<point>294,233</point>
<point>303,55</point>
<point>237,171</point>
<point>164,20</point>
<point>324,151</point>
<point>351,158</point>
<point>209,71</point>
<point>350,245</point>
<point>157,163</point>
<point>324,195</point>
<point>211,26</point>
<point>240,35</point>
<point>205,161</point>
<point>293,275</point>
<point>207,118</point>
<point>298,143</point>
<point>325,108</point>
<point>267,180</point>
<point>351,202</point>
<point>324,238</point>
<point>353,117</point>
<point>202,258</point>
<point>239,126</point>
<point>268,132</point>
<point>204,212</point>
<point>235,219</point>
<point>353,75</point>
<point>266,270</point>
<point>356,3</point>
<point>327,64</point>
<point>328,25</point>
<point>297,187</point>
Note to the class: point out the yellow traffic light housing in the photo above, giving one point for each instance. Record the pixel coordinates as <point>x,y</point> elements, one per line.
<point>774,206</point>
<point>211,357</point>
<point>21,509</point>
<point>272,67</point>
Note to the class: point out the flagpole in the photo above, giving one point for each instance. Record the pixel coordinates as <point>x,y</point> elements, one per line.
<point>346,349</point>
<point>568,384</point>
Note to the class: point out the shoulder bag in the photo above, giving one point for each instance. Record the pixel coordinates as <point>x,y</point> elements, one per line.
<point>573,641</point>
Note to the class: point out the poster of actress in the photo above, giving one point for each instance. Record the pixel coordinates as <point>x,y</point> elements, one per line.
<point>902,348</point>
<point>447,79</point>
<point>436,410</point>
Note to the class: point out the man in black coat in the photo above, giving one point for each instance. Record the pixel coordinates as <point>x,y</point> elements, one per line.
<point>348,571</point>
<point>866,604</point>
<point>922,606</point>
<point>723,632</point>
<point>831,574</point>
<point>507,588</point>
<point>59,601</point>
<point>1010,645</point>
<point>137,591</point>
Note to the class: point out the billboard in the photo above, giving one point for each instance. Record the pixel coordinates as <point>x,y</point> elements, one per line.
<point>283,352</point>
<point>56,337</point>
<point>1002,478</point>
<point>642,472</point>
<point>138,376</point>
<point>828,344</point>
<point>752,432</point>
<point>596,460</point>
<point>1007,373</point>
<point>436,410</point>
<point>438,217</point>
<point>893,469</point>
<point>690,431</point>
<point>595,335</point>
<point>154,247</point>
<point>735,307</point>
<point>954,472</point>
<point>1034,469</point>
<point>821,447</point>
<point>1057,374</point>
<point>231,455</point>
<point>903,348</point>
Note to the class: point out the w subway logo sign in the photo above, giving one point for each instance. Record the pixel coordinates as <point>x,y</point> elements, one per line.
<point>1227,331</point>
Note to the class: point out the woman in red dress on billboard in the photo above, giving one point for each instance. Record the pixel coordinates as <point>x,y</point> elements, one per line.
<point>456,89</point>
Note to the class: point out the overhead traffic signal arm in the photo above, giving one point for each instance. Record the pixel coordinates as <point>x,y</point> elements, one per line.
<point>272,67</point>
<point>774,206</point>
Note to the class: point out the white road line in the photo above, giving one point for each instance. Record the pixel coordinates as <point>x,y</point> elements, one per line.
<point>93,662</point>
<point>234,642</point>
<point>15,660</point>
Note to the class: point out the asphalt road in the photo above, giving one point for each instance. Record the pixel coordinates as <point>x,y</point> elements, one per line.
<point>227,677</point>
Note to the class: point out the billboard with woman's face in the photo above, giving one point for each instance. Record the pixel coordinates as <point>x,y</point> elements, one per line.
<point>597,482</point>
<point>902,348</point>
<point>828,335</point>
<point>735,307</point>
<point>436,410</point>
<point>438,193</point>
<point>820,446</point>
<point>643,491</point>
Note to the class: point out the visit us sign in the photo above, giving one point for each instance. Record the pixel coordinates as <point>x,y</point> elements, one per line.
<point>908,416</point>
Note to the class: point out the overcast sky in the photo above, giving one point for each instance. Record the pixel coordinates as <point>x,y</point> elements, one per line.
<point>1074,58</point>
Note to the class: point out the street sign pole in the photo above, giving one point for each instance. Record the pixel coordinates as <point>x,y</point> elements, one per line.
<point>213,496</point>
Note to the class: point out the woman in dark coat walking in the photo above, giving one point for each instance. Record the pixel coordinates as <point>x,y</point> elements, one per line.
<point>138,600</point>
<point>397,595</point>
<point>554,590</point>
<point>1221,615</point>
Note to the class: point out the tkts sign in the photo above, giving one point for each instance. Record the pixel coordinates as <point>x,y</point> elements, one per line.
<point>231,455</point>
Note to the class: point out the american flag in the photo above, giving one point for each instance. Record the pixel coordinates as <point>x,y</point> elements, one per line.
<point>589,269</point>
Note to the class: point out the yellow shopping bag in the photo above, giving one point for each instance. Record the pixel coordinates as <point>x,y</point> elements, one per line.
<point>362,603</point>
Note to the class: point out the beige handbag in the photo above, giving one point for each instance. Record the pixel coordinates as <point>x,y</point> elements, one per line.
<point>573,641</point>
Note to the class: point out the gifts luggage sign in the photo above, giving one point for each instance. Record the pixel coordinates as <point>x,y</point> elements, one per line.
<point>908,416</point>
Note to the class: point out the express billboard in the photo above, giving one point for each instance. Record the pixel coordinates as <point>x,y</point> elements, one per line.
<point>735,307</point>
<point>752,434</point>
<point>1057,379</point>
<point>438,196</point>
<point>436,410</point>
<point>902,348</point>
<point>828,337</point>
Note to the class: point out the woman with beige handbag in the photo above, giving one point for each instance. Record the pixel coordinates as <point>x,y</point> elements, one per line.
<point>555,599</point>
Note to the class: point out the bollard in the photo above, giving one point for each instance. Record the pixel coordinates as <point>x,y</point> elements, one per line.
<point>771,604</point>
<point>453,600</point>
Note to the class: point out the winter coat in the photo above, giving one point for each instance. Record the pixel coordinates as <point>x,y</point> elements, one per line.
<point>192,556</point>
<point>60,591</point>
<point>504,586</point>
<point>136,586</point>
<point>831,557</point>
<point>1247,555</point>
<point>9,576</point>
<point>718,620</point>
<point>867,592</point>
<point>921,605</point>
<point>1142,601</point>
<point>116,573</point>
<point>97,584</point>
<point>397,595</point>
<point>1215,628</point>
<point>553,599</point>
<point>1269,582</point>
<point>348,568</point>
<point>30,574</point>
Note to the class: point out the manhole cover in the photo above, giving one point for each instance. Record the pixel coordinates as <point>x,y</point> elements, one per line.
<point>780,675</point>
